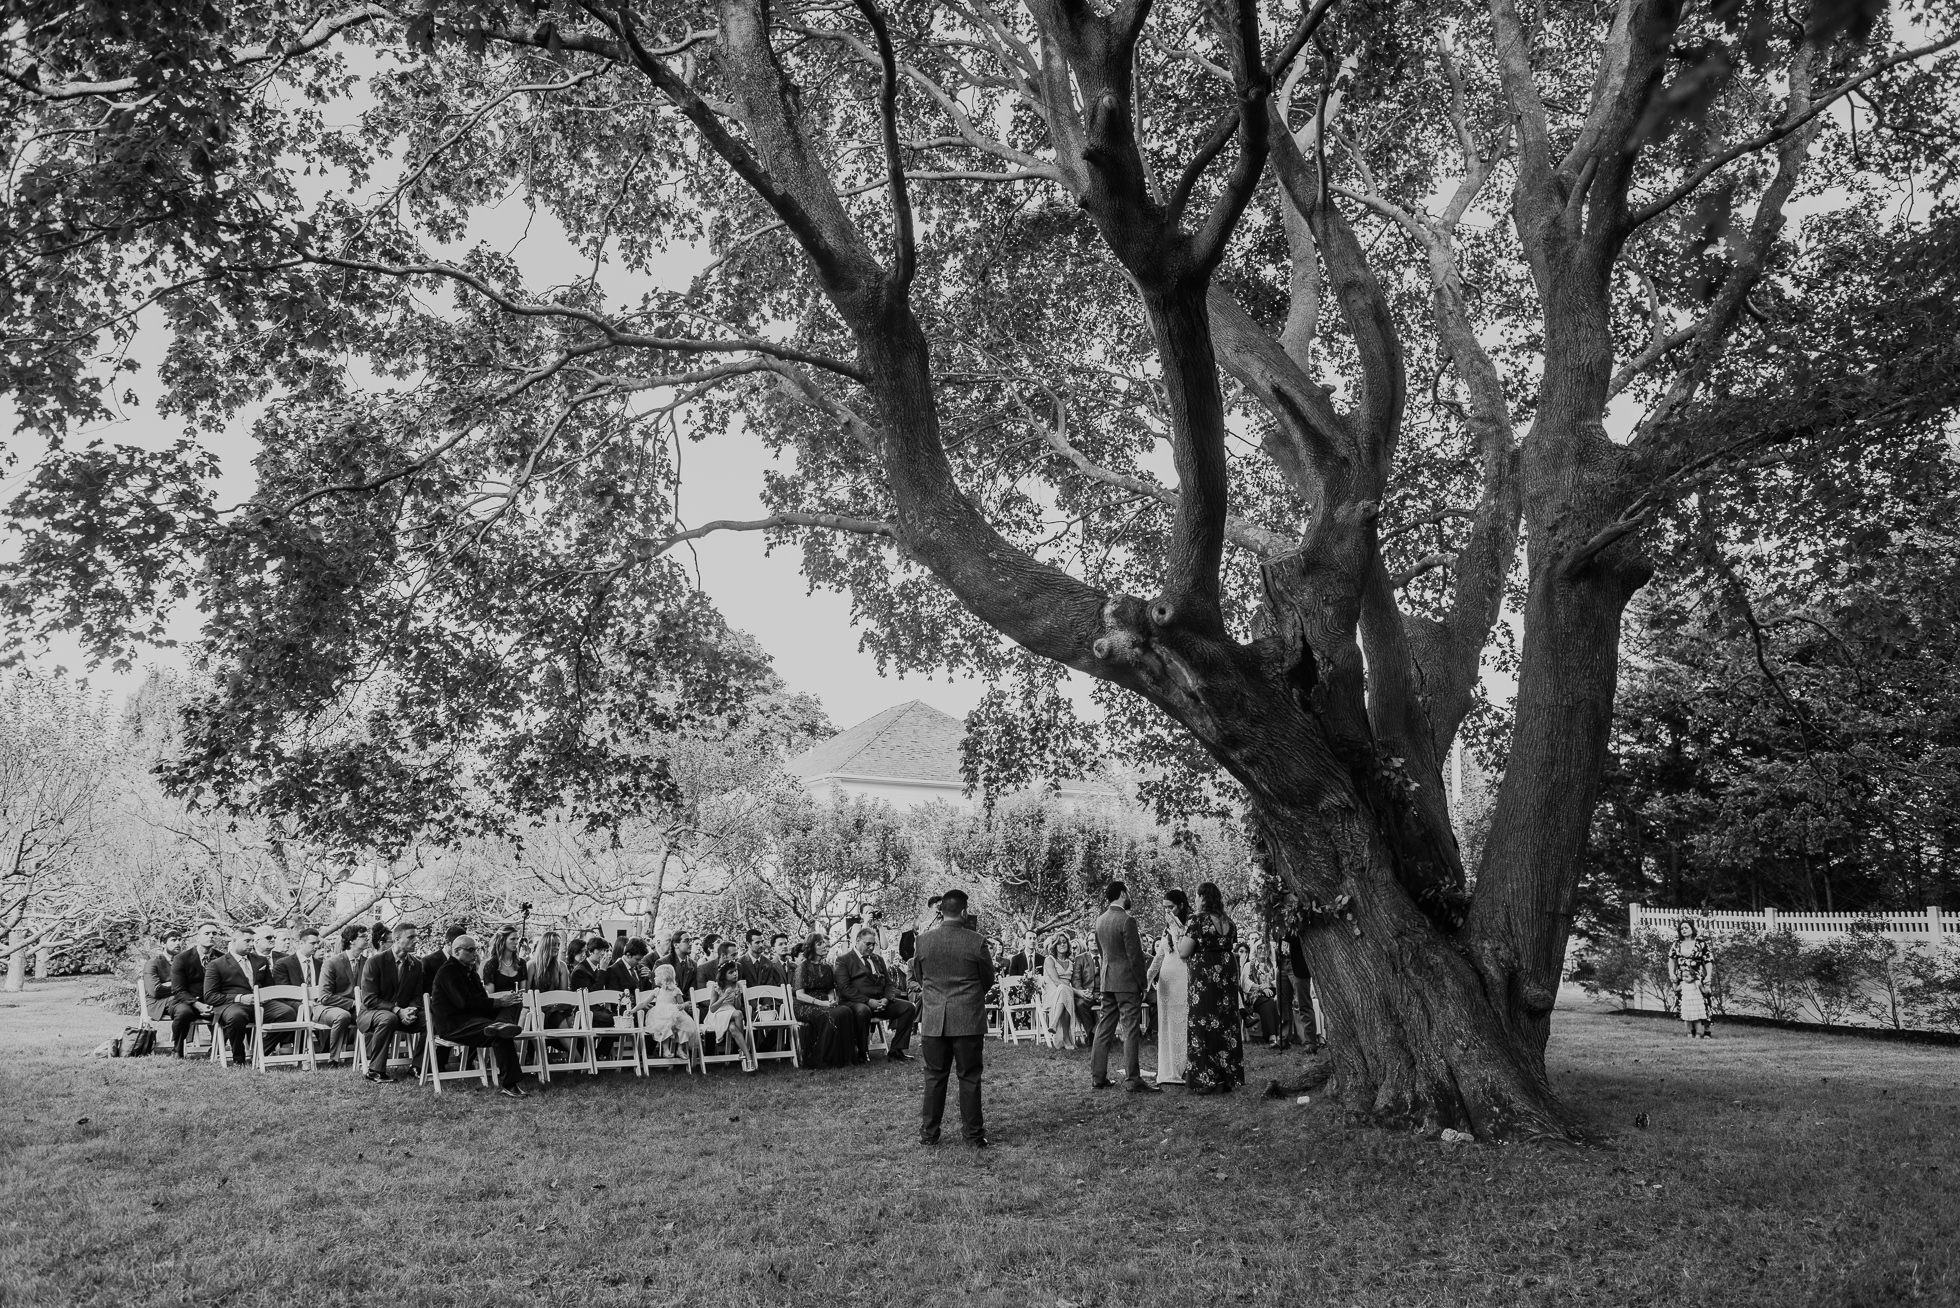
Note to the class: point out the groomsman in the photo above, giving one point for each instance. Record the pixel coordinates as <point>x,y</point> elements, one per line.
<point>1120,1011</point>
<point>955,972</point>
<point>187,984</point>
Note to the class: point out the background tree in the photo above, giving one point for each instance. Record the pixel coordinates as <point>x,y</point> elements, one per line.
<point>1030,304</point>
<point>57,751</point>
<point>1791,732</point>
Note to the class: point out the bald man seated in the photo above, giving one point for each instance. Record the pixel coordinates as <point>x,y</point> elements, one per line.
<point>462,1012</point>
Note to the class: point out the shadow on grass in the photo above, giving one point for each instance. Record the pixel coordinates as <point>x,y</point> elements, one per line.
<point>1776,1169</point>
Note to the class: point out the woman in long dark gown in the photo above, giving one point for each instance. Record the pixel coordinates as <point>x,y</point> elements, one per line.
<point>831,1027</point>
<point>1215,1062</point>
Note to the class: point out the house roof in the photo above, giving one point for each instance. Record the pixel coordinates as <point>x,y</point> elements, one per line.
<point>910,742</point>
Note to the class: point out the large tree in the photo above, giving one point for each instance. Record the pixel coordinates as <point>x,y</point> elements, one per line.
<point>1090,325</point>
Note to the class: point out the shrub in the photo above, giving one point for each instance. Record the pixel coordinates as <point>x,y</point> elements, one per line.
<point>1767,971</point>
<point>1929,989</point>
<point>1626,968</point>
<point>1833,973</point>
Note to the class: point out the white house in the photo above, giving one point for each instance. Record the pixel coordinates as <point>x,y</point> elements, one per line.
<point>907,755</point>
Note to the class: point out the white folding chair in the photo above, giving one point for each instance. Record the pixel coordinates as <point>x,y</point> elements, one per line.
<point>770,1008</point>
<point>699,1000</point>
<point>1022,1019</point>
<point>300,1027</point>
<point>625,1035</point>
<point>472,1063</point>
<point>577,1033</point>
<point>346,1044</point>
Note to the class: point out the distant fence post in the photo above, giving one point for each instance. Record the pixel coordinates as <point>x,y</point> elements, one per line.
<point>1769,921</point>
<point>1934,927</point>
<point>1633,920</point>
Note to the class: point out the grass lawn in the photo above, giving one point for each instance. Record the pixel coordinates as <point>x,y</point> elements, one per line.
<point>1779,1168</point>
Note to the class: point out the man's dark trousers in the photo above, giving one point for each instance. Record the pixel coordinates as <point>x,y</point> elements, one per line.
<point>941,1054</point>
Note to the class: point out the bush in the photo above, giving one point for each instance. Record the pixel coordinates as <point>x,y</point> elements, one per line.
<point>1626,968</point>
<point>1929,989</point>
<point>1834,974</point>
<point>1767,971</point>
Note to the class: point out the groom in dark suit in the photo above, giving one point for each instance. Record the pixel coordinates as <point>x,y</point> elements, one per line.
<point>955,972</point>
<point>1123,973</point>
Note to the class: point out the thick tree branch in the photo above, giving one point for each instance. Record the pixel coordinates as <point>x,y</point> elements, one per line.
<point>905,254</point>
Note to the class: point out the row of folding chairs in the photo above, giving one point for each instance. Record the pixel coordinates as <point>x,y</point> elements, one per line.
<point>208,1042</point>
<point>584,1044</point>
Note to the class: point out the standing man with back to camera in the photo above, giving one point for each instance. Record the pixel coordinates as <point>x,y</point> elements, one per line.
<point>955,973</point>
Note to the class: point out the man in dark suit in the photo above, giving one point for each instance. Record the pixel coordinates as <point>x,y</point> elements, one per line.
<point>392,984</point>
<point>1121,1007</point>
<point>1029,959</point>
<point>303,967</point>
<point>864,983</point>
<point>433,960</point>
<point>157,987</point>
<point>187,984</point>
<point>759,966</point>
<point>679,957</point>
<point>955,972</point>
<point>229,980</point>
<point>1085,979</point>
<point>462,1012</point>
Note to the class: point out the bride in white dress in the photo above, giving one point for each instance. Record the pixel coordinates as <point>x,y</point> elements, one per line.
<point>1171,978</point>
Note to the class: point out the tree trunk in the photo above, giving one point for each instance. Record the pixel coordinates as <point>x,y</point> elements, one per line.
<point>17,959</point>
<point>1416,1041</point>
<point>1521,915</point>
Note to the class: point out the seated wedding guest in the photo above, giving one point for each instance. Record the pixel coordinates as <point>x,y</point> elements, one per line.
<point>433,960</point>
<point>157,988</point>
<point>1261,996</point>
<point>547,971</point>
<point>864,983</point>
<point>574,958</point>
<point>378,936</point>
<point>833,1027</point>
<point>677,957</point>
<point>710,967</point>
<point>669,1018</point>
<point>340,978</point>
<point>1029,959</point>
<point>303,967</point>
<point>275,943</point>
<point>727,1018</point>
<point>705,960</point>
<point>462,1012</point>
<point>590,970</point>
<point>392,986</point>
<point>637,964</point>
<point>229,980</point>
<point>187,983</point>
<point>1058,996</point>
<point>759,966</point>
<point>503,972</point>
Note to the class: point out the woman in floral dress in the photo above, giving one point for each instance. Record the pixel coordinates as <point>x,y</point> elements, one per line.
<point>1215,1063</point>
<point>1690,965</point>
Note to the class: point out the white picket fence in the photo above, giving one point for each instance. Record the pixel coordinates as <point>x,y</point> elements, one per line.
<point>1927,928</point>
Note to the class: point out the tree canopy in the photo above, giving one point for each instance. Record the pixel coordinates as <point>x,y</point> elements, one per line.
<point>1225,353</point>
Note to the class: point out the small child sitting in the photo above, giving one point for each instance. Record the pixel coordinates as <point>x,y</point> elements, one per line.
<point>670,1019</point>
<point>728,1017</point>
